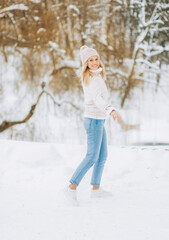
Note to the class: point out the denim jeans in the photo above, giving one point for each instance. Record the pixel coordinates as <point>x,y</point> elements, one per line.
<point>96,152</point>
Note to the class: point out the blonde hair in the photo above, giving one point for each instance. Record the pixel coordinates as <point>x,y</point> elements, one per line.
<point>86,74</point>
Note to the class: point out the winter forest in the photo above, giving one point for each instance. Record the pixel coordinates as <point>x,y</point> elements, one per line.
<point>42,135</point>
<point>41,97</point>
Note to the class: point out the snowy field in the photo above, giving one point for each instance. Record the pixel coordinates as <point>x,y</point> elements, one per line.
<point>33,206</point>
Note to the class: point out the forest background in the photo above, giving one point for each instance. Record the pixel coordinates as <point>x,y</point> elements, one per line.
<point>41,97</point>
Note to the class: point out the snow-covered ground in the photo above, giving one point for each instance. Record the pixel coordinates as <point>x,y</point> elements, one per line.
<point>33,206</point>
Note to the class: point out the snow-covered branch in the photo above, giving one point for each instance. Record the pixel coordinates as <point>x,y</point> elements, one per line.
<point>73,7</point>
<point>21,7</point>
<point>150,81</point>
<point>117,72</point>
<point>149,23</point>
<point>146,62</point>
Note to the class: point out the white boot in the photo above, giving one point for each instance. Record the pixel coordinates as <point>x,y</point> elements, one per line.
<point>100,193</point>
<point>71,195</point>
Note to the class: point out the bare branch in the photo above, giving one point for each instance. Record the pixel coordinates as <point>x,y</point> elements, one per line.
<point>7,124</point>
<point>127,127</point>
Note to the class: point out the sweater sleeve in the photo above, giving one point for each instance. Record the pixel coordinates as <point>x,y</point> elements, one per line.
<point>96,92</point>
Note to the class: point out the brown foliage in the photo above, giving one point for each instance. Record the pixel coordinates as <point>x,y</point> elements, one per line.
<point>64,79</point>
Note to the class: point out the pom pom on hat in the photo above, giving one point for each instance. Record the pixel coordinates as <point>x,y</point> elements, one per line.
<point>86,53</point>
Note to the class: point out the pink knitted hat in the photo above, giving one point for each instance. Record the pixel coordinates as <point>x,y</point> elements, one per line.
<point>86,53</point>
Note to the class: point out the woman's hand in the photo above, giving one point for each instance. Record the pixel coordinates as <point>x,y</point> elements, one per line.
<point>115,115</point>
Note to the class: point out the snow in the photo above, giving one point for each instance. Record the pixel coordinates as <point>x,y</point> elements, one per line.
<point>36,18</point>
<point>35,1</point>
<point>41,30</point>
<point>74,8</point>
<point>33,206</point>
<point>54,45</point>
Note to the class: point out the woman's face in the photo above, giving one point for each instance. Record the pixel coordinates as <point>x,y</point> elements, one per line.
<point>93,63</point>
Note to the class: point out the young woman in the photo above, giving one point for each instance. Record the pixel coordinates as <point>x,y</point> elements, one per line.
<point>96,111</point>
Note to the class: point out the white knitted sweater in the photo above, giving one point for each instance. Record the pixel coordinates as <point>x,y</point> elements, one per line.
<point>95,97</point>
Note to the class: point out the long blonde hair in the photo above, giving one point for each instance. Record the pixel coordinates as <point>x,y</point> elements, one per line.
<point>86,74</point>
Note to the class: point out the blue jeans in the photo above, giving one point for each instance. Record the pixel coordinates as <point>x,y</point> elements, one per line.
<point>96,152</point>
